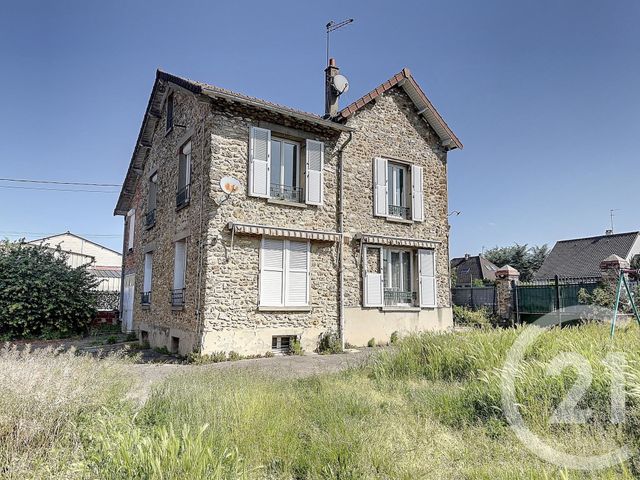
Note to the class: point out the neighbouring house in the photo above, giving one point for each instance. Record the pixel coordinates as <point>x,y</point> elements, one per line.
<point>581,257</point>
<point>338,223</point>
<point>470,268</point>
<point>102,262</point>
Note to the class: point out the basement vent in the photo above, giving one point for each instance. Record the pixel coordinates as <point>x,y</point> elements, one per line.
<point>281,345</point>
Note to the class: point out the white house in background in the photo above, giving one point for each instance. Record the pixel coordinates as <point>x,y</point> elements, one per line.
<point>104,263</point>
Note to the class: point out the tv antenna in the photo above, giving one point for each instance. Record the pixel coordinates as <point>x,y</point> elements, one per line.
<point>332,27</point>
<point>611,215</point>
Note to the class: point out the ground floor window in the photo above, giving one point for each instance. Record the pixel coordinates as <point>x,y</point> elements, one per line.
<point>398,277</point>
<point>284,273</point>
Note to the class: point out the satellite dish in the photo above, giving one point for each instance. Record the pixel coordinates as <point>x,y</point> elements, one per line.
<point>341,84</point>
<point>229,185</point>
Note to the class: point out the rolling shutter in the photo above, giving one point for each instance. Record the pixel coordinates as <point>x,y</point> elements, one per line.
<point>315,169</point>
<point>259,160</point>
<point>427,277</point>
<point>417,194</point>
<point>297,278</point>
<point>272,272</point>
<point>380,187</point>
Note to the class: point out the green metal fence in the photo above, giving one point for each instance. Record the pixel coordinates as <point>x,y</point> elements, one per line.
<point>540,297</point>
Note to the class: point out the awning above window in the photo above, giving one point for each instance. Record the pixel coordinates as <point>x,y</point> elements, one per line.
<point>251,229</point>
<point>395,241</point>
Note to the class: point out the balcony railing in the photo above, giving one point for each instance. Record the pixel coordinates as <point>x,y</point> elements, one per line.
<point>183,195</point>
<point>150,218</point>
<point>287,193</point>
<point>145,298</point>
<point>400,212</point>
<point>177,297</point>
<point>394,297</point>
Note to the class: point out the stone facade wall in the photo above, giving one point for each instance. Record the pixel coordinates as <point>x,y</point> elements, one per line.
<point>160,319</point>
<point>390,127</point>
<point>232,277</point>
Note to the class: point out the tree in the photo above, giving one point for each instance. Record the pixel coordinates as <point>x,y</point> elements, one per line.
<point>527,260</point>
<point>41,294</point>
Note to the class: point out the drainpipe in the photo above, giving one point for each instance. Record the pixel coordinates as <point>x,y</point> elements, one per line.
<point>341,233</point>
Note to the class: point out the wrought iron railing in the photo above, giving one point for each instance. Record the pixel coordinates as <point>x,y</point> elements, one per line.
<point>398,211</point>
<point>183,195</point>
<point>393,297</point>
<point>177,297</point>
<point>287,193</point>
<point>150,218</point>
<point>145,298</point>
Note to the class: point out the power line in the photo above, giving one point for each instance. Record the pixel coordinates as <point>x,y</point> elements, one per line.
<point>58,189</point>
<point>24,180</point>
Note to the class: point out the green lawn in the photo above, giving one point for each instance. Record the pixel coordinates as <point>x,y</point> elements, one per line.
<point>429,409</point>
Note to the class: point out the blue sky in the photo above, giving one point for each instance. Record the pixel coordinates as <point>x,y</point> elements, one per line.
<point>545,96</point>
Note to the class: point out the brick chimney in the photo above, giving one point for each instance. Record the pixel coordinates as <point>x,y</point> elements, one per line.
<point>330,94</point>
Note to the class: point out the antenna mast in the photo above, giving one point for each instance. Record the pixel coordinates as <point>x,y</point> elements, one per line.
<point>333,26</point>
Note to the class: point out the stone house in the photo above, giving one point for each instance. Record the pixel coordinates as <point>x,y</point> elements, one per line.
<point>334,224</point>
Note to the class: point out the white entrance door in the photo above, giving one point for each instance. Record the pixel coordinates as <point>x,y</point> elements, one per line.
<point>127,302</point>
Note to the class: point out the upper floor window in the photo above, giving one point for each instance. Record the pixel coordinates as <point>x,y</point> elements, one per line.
<point>398,190</point>
<point>145,297</point>
<point>169,112</point>
<point>152,196</point>
<point>285,171</point>
<point>184,176</point>
<point>276,168</point>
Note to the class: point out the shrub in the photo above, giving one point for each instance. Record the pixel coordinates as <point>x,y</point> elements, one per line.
<point>472,318</point>
<point>214,357</point>
<point>295,348</point>
<point>131,337</point>
<point>234,356</point>
<point>40,293</point>
<point>329,343</point>
<point>111,340</point>
<point>394,338</point>
<point>269,354</point>
<point>371,342</point>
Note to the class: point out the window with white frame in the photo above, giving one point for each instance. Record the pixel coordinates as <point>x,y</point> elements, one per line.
<point>179,272</point>
<point>147,278</point>
<point>284,273</point>
<point>131,228</point>
<point>398,190</point>
<point>398,277</point>
<point>285,169</point>
<point>183,194</point>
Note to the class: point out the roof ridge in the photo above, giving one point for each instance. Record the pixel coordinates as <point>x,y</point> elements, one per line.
<point>599,236</point>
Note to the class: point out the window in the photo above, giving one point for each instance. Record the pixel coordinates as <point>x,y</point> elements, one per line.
<point>150,216</point>
<point>398,277</point>
<point>169,112</point>
<point>184,176</point>
<point>398,190</point>
<point>179,273</point>
<point>284,273</point>
<point>276,169</point>
<point>285,171</point>
<point>131,227</point>
<point>397,178</point>
<point>282,344</point>
<point>146,279</point>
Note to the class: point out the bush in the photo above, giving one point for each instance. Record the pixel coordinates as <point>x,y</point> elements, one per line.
<point>41,294</point>
<point>371,343</point>
<point>214,357</point>
<point>111,340</point>
<point>234,356</point>
<point>394,338</point>
<point>472,318</point>
<point>269,354</point>
<point>329,343</point>
<point>295,348</point>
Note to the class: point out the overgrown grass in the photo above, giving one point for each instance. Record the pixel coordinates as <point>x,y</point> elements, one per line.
<point>428,409</point>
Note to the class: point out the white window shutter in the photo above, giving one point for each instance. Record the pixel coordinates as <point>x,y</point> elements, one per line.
<point>180,264</point>
<point>417,194</point>
<point>380,201</point>
<point>315,172</point>
<point>272,257</point>
<point>259,162</point>
<point>373,289</point>
<point>131,216</point>
<point>427,277</point>
<point>297,278</point>
<point>148,272</point>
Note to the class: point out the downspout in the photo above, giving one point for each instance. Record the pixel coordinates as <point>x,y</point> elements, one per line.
<point>341,234</point>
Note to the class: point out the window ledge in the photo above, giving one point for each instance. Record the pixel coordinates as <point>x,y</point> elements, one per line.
<point>262,308</point>
<point>184,205</point>
<point>149,227</point>
<point>145,306</point>
<point>177,308</point>
<point>289,204</point>
<point>400,220</point>
<point>400,309</point>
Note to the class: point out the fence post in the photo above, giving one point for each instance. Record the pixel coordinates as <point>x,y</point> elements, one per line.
<point>506,281</point>
<point>557,290</point>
